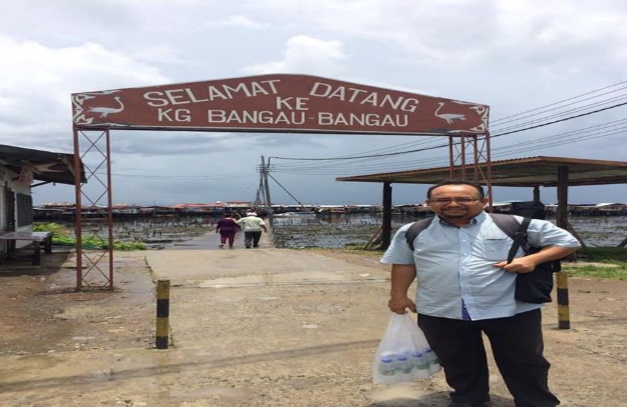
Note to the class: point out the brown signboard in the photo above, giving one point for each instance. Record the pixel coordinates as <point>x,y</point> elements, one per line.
<point>278,103</point>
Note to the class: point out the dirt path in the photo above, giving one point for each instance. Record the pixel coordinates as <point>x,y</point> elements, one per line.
<point>46,324</point>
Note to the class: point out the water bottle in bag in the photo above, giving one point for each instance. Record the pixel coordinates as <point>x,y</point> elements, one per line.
<point>386,366</point>
<point>419,361</point>
<point>432,359</point>
<point>403,364</point>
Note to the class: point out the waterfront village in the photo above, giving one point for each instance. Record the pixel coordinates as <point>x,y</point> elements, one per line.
<point>65,211</point>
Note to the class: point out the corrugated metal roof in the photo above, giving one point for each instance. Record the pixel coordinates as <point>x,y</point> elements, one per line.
<point>46,166</point>
<point>517,172</point>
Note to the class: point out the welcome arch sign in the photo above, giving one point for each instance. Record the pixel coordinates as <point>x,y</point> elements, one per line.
<point>278,103</point>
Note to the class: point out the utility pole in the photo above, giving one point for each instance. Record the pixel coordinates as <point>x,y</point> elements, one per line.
<point>259,197</point>
<point>266,188</point>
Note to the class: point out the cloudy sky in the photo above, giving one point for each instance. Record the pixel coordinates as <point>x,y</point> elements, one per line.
<point>532,62</point>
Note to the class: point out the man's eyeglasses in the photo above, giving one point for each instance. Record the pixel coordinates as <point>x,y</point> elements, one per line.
<point>462,200</point>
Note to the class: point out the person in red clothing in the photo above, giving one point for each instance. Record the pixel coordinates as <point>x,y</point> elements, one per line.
<point>227,228</point>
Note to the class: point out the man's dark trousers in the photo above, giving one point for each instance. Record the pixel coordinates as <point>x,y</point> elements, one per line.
<point>517,346</point>
<point>252,239</point>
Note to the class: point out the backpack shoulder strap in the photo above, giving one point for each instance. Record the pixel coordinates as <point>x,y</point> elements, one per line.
<point>414,230</point>
<point>516,231</point>
<point>509,224</point>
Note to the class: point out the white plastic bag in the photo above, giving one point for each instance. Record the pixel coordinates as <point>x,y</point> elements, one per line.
<point>403,354</point>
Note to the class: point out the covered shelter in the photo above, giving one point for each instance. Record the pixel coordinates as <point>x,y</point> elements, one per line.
<point>22,169</point>
<point>40,165</point>
<point>530,172</point>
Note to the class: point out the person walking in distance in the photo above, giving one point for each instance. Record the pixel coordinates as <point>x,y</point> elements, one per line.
<point>252,225</point>
<point>227,228</point>
<point>466,289</point>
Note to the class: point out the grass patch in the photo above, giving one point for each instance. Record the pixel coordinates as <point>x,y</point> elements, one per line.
<point>359,249</point>
<point>618,272</point>
<point>613,263</point>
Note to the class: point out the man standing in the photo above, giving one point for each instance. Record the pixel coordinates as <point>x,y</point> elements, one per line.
<point>466,288</point>
<point>252,225</point>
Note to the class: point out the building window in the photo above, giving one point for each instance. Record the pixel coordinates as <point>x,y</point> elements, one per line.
<point>24,210</point>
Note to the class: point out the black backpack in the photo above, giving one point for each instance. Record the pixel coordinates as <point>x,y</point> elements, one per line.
<point>535,286</point>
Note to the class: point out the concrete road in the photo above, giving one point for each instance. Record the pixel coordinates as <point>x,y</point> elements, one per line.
<point>258,327</point>
<point>273,327</point>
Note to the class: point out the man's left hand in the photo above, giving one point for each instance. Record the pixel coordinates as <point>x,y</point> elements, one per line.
<point>518,265</point>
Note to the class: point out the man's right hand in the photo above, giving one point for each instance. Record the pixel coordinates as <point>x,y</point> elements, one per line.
<point>399,304</point>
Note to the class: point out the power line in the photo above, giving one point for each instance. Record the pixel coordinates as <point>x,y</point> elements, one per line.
<point>562,101</point>
<point>564,113</point>
<point>445,145</point>
<point>562,120</point>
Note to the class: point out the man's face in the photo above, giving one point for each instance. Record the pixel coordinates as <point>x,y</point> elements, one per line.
<point>456,202</point>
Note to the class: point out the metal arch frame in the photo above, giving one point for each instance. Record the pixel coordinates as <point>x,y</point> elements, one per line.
<point>103,110</point>
<point>99,147</point>
<point>461,149</point>
<point>478,147</point>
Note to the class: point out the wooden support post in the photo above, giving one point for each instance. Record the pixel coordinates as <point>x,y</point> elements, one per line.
<point>36,253</point>
<point>386,225</point>
<point>563,310</point>
<point>163,313</point>
<point>48,244</point>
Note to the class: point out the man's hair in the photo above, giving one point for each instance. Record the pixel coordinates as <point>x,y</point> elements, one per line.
<point>478,187</point>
